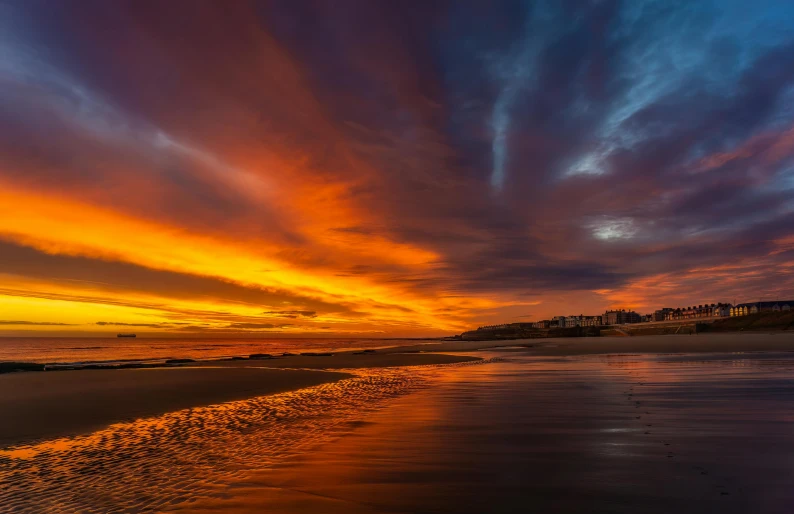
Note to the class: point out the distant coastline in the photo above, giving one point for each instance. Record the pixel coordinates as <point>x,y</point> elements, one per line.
<point>760,322</point>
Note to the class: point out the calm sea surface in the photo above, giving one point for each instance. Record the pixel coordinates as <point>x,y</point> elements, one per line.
<point>520,433</point>
<point>116,349</point>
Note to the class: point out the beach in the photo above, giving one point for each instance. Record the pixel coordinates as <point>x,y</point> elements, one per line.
<point>57,404</point>
<point>54,404</point>
<point>597,434</point>
<point>702,343</point>
<point>632,424</point>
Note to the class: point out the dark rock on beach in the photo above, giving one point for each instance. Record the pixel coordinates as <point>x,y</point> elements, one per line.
<point>10,367</point>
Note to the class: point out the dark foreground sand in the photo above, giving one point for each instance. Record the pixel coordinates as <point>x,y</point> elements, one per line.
<point>54,404</point>
<point>43,405</point>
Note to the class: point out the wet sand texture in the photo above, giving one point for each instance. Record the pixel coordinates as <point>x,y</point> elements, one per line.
<point>603,434</point>
<point>55,404</point>
<point>181,456</point>
<point>60,403</point>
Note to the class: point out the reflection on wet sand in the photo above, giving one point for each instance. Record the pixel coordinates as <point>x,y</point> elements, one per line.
<point>151,463</point>
<point>627,434</point>
<point>596,433</point>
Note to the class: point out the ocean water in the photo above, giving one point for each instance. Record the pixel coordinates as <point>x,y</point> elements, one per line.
<point>516,433</point>
<point>108,350</point>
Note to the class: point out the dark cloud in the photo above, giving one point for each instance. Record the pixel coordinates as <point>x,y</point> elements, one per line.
<point>255,326</point>
<point>117,324</point>
<point>292,314</point>
<point>545,148</point>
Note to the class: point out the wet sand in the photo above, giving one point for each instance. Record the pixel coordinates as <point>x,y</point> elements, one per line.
<point>701,343</point>
<point>39,405</point>
<point>600,434</point>
<point>651,424</point>
<point>55,404</point>
<point>388,358</point>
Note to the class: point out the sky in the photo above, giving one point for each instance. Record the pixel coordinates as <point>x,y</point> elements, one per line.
<point>388,169</point>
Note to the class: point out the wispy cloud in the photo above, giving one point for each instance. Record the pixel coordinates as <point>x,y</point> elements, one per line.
<point>419,175</point>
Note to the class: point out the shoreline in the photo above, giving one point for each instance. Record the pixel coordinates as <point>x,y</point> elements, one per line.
<point>45,405</point>
<point>707,342</point>
<point>423,346</point>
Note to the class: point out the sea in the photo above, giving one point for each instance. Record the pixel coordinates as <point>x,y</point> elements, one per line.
<point>83,351</point>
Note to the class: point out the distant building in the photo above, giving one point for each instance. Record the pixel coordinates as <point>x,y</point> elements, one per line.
<point>721,310</point>
<point>541,324</point>
<point>557,322</point>
<point>621,317</point>
<point>573,321</point>
<point>693,312</point>
<point>591,321</point>
<point>661,314</point>
<point>744,309</point>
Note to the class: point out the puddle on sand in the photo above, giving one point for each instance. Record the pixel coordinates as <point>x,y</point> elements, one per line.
<point>151,463</point>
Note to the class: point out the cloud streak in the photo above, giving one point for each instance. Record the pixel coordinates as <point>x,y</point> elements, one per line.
<point>427,172</point>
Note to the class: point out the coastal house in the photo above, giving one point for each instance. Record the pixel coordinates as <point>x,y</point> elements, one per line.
<point>776,306</point>
<point>691,312</point>
<point>743,309</point>
<point>557,322</point>
<point>721,310</point>
<point>661,314</point>
<point>621,317</point>
<point>591,321</point>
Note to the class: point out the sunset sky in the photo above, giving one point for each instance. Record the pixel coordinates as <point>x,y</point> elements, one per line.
<point>380,169</point>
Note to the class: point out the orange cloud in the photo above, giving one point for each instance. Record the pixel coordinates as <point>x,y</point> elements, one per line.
<point>62,226</point>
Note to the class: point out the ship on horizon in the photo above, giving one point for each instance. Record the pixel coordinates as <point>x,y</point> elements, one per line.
<point>126,335</point>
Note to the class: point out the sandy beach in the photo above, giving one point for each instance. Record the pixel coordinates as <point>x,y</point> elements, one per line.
<point>598,434</point>
<point>51,404</point>
<point>701,343</point>
<point>569,425</point>
<point>54,404</point>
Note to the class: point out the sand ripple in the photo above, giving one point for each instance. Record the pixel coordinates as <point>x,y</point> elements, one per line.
<point>153,463</point>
